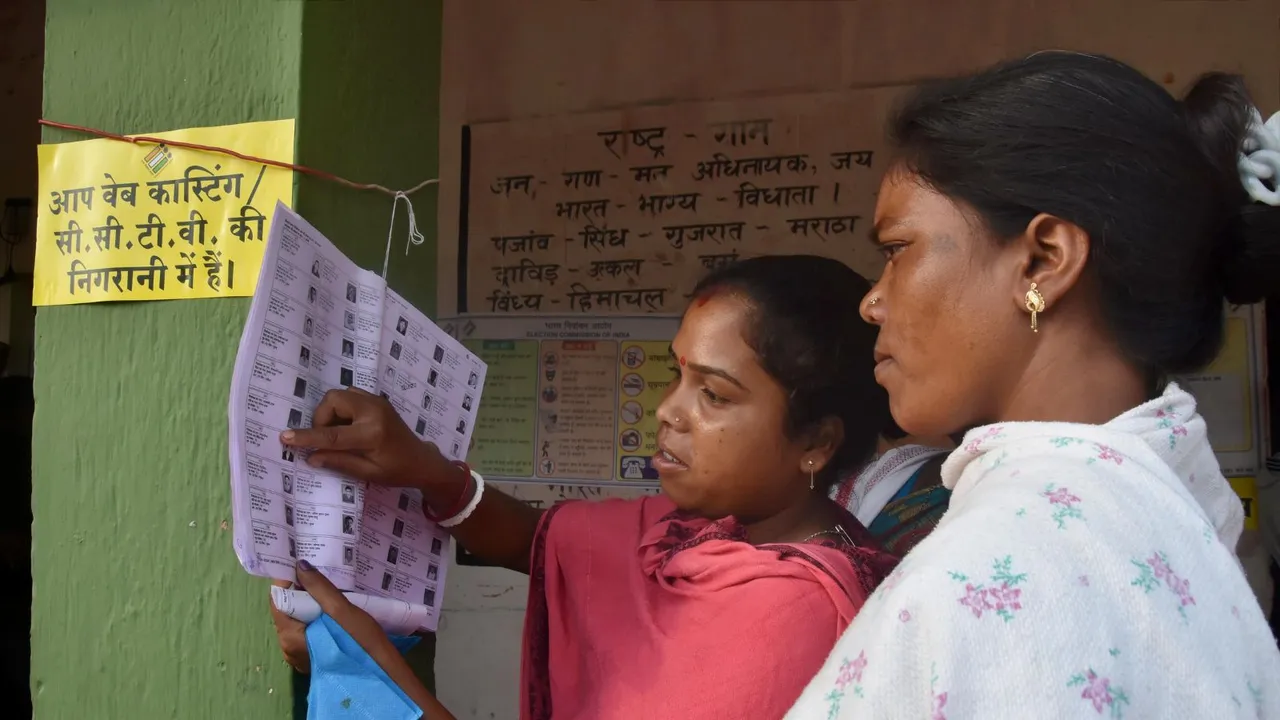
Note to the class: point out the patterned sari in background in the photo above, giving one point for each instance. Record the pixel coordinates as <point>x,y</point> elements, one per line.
<point>912,514</point>
<point>899,496</point>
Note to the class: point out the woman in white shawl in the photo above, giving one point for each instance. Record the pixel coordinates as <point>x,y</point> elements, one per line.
<point>1061,235</point>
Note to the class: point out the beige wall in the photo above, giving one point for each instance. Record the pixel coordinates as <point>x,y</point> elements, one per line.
<point>506,59</point>
<point>21,78</point>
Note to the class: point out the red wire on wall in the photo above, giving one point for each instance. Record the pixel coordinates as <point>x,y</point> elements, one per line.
<point>140,139</point>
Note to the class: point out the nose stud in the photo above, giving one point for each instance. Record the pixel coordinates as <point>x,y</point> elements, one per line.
<point>873,301</point>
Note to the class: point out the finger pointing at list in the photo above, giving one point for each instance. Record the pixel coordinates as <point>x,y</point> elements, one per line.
<point>336,424</point>
<point>360,435</point>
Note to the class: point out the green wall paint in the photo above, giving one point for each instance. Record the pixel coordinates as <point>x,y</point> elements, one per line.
<point>137,612</point>
<point>140,609</point>
<point>370,112</point>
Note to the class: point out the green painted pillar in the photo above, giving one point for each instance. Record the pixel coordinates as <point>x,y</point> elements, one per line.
<point>140,609</point>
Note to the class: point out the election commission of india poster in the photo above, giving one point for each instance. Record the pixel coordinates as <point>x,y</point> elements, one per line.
<point>124,221</point>
<point>568,400</point>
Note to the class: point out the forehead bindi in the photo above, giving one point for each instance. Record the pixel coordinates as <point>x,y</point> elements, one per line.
<point>707,295</point>
<point>711,333</point>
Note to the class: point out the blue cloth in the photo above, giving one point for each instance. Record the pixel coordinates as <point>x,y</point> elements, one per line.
<point>346,683</point>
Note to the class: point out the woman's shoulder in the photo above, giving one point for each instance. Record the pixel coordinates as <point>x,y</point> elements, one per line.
<point>609,520</point>
<point>952,627</point>
<point>1101,591</point>
<point>643,507</point>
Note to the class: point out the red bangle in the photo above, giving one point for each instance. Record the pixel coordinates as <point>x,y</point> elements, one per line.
<point>462,501</point>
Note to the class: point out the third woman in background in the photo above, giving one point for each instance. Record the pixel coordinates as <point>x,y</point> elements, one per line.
<point>1061,235</point>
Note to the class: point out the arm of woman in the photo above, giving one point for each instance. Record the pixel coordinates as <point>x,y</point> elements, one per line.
<point>359,435</point>
<point>363,629</point>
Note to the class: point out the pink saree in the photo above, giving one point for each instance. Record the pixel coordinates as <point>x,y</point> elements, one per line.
<point>636,610</point>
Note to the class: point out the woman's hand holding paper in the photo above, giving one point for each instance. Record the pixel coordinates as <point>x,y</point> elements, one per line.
<point>360,435</point>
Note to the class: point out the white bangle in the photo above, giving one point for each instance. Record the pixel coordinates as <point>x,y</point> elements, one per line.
<point>472,504</point>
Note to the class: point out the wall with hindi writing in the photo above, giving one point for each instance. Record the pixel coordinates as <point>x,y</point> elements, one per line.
<point>21,61</point>
<point>623,211</point>
<point>141,609</point>
<point>618,55</point>
<point>559,67</point>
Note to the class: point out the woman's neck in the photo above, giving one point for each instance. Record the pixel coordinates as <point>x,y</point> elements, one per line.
<point>1078,375</point>
<point>811,514</point>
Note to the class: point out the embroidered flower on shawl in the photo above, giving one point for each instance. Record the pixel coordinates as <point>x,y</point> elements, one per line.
<point>1101,452</point>
<point>1157,568</point>
<point>939,702</point>
<point>851,671</point>
<point>1059,496</point>
<point>890,582</point>
<point>939,698</point>
<point>1100,692</point>
<point>1063,503</point>
<point>850,674</point>
<point>974,446</point>
<point>1169,421</point>
<point>1109,453</point>
<point>1001,597</point>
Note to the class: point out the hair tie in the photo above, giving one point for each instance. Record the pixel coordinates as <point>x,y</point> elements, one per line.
<point>1259,162</point>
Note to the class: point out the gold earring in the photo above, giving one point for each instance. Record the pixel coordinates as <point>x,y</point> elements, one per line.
<point>810,474</point>
<point>1035,305</point>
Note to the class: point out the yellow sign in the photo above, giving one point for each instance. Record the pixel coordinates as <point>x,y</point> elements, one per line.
<point>119,221</point>
<point>1247,489</point>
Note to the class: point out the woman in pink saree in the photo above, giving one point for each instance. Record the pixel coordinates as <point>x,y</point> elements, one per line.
<point>721,597</point>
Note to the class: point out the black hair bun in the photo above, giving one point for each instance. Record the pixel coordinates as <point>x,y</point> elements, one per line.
<point>1220,115</point>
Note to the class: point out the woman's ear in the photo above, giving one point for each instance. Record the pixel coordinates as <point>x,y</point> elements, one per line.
<point>1057,252</point>
<point>824,440</point>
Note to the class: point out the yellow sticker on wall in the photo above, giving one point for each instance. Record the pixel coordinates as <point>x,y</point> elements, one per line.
<point>119,221</point>
<point>1247,489</point>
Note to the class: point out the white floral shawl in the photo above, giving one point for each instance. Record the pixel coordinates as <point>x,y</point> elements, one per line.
<point>1082,571</point>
